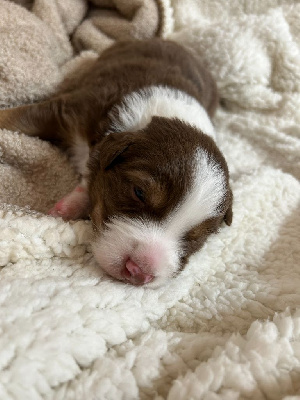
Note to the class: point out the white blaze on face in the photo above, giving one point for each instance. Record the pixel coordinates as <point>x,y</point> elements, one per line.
<point>143,241</point>
<point>156,246</point>
<point>201,203</point>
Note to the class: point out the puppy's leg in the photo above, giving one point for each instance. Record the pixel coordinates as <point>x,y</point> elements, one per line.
<point>53,121</point>
<point>48,120</point>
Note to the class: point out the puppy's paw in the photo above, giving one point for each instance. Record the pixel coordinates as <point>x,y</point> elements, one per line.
<point>73,206</point>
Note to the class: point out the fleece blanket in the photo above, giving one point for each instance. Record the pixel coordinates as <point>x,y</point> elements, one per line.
<point>229,326</point>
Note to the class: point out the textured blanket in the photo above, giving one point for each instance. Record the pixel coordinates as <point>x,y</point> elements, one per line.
<point>229,326</point>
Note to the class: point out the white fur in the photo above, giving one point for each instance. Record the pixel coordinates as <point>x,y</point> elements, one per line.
<point>80,153</point>
<point>202,201</point>
<point>138,108</point>
<point>144,239</point>
<point>124,237</point>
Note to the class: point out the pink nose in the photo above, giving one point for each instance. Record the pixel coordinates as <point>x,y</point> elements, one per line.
<point>133,273</point>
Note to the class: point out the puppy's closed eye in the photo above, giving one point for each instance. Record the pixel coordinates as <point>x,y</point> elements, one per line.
<point>139,194</point>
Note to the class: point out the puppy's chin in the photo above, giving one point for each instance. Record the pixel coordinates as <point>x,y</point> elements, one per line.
<point>136,252</point>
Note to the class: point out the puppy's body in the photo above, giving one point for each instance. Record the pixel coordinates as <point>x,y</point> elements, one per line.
<point>136,125</point>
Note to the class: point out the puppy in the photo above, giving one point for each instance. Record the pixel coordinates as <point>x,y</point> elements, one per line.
<point>136,124</point>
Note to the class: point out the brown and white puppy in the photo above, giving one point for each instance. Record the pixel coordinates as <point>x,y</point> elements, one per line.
<point>136,123</point>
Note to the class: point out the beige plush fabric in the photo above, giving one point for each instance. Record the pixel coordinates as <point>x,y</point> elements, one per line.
<point>30,56</point>
<point>229,326</point>
<point>39,37</point>
<point>114,20</point>
<point>33,173</point>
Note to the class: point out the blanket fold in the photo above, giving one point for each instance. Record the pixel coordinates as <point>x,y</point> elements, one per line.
<point>118,20</point>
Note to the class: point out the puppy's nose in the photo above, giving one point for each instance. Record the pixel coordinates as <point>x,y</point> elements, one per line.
<point>134,274</point>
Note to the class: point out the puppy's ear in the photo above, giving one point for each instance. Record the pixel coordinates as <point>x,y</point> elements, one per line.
<point>229,214</point>
<point>112,148</point>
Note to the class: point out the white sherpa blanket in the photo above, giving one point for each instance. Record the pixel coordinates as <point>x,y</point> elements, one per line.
<point>229,326</point>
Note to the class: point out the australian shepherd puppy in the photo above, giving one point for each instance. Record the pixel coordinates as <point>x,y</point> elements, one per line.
<point>136,124</point>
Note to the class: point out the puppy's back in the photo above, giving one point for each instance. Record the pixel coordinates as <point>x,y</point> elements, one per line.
<point>131,65</point>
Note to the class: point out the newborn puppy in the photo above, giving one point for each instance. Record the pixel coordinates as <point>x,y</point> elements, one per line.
<point>136,124</point>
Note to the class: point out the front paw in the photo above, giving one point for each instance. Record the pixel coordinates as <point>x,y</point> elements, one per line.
<point>73,206</point>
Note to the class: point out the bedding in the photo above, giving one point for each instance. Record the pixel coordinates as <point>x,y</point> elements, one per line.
<point>228,327</point>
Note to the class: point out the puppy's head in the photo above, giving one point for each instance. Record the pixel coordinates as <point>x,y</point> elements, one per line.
<point>156,195</point>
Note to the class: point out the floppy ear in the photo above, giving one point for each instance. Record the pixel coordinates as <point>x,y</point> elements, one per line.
<point>112,148</point>
<point>229,214</point>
